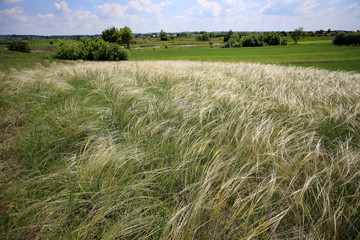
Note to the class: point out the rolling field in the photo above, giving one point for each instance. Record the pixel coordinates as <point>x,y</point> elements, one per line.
<point>180,149</point>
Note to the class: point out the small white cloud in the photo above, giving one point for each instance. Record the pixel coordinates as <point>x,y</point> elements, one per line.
<point>135,7</point>
<point>233,7</point>
<point>354,6</point>
<point>62,7</point>
<point>15,14</point>
<point>205,9</point>
<point>44,16</point>
<point>108,10</point>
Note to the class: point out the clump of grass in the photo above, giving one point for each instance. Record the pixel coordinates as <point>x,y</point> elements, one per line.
<point>172,149</point>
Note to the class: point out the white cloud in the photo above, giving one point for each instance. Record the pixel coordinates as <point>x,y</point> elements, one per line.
<point>111,10</point>
<point>62,7</point>
<point>234,7</point>
<point>15,14</point>
<point>354,6</point>
<point>141,13</point>
<point>204,9</point>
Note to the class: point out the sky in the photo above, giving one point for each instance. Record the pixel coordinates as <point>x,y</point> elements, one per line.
<point>72,17</point>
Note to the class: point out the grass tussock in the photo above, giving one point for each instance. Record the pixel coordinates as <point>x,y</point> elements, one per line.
<point>179,150</point>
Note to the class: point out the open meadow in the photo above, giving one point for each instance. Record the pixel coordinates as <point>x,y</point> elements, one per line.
<point>310,52</point>
<point>180,149</point>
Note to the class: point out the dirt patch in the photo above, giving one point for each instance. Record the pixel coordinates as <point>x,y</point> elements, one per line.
<point>47,49</point>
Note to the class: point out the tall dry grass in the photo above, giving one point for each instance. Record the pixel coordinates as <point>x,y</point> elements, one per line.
<point>182,150</point>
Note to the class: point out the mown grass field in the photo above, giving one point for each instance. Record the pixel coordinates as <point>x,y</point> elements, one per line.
<point>179,150</point>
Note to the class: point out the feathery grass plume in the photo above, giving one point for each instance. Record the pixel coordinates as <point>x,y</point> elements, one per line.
<point>181,150</point>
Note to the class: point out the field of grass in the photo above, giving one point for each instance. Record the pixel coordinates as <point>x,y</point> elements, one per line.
<point>316,52</point>
<point>179,150</point>
<point>310,52</point>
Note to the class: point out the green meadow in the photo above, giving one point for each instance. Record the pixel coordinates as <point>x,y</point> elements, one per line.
<point>316,52</point>
<point>309,52</point>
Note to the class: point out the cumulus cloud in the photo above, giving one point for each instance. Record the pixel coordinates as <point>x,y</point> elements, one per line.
<point>62,7</point>
<point>234,7</point>
<point>15,14</point>
<point>143,13</point>
<point>205,9</point>
<point>108,10</point>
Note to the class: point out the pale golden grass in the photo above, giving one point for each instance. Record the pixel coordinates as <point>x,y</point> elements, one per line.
<point>192,150</point>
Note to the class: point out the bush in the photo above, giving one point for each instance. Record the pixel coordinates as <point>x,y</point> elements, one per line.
<point>90,49</point>
<point>203,37</point>
<point>283,41</point>
<point>255,40</point>
<point>347,39</point>
<point>18,46</point>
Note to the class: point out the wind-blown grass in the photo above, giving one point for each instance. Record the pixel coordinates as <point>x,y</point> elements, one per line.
<point>180,150</point>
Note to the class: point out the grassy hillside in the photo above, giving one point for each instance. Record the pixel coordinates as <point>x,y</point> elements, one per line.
<point>180,150</point>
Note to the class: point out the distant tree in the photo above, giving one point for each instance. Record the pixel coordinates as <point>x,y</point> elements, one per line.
<point>228,35</point>
<point>172,37</point>
<point>111,35</point>
<point>321,32</point>
<point>233,40</point>
<point>283,34</point>
<point>297,34</point>
<point>163,36</point>
<point>203,37</point>
<point>126,36</point>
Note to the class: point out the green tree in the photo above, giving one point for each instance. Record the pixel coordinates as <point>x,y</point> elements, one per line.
<point>172,37</point>
<point>228,35</point>
<point>203,37</point>
<point>126,36</point>
<point>297,34</point>
<point>111,35</point>
<point>163,36</point>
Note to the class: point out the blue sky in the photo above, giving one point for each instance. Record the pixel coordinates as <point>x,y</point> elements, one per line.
<point>57,17</point>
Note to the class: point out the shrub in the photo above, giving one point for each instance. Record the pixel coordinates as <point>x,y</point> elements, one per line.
<point>271,39</point>
<point>255,40</point>
<point>90,49</point>
<point>203,37</point>
<point>283,41</point>
<point>18,46</point>
<point>347,39</point>
<point>116,53</point>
